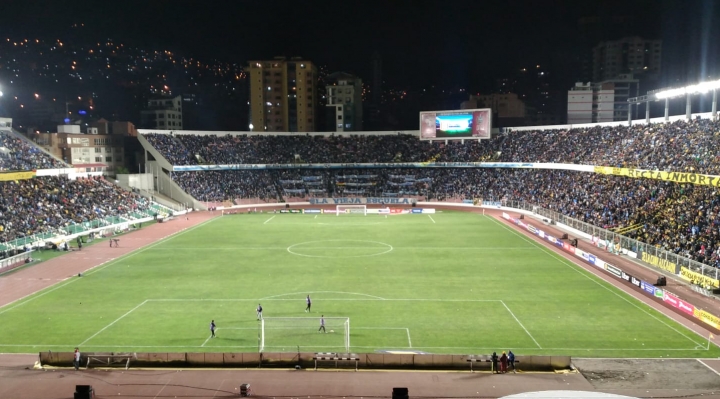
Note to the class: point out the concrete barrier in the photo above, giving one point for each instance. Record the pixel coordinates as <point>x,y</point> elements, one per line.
<point>305,360</point>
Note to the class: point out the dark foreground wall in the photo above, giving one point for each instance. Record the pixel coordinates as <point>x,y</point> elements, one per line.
<point>305,360</point>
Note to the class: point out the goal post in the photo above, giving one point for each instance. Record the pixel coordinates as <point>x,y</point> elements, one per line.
<point>291,334</point>
<point>350,209</point>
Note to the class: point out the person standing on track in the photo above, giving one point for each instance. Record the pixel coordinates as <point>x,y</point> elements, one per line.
<point>322,324</point>
<point>309,304</point>
<point>212,329</point>
<point>76,359</point>
<point>259,312</point>
<point>511,360</point>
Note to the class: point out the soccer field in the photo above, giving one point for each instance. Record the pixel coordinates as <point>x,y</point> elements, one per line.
<point>445,283</point>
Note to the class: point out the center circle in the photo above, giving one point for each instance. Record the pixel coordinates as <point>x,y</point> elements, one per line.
<point>339,249</point>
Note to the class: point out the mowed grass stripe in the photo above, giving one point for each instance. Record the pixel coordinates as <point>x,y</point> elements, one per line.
<point>444,282</point>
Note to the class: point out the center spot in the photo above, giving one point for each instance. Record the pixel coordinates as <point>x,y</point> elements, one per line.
<point>336,249</point>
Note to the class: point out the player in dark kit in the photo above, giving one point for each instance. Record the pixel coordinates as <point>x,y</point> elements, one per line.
<point>212,329</point>
<point>259,312</point>
<point>309,304</point>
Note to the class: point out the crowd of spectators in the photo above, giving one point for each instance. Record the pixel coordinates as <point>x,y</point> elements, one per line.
<point>687,146</point>
<point>49,204</point>
<point>17,154</point>
<point>211,186</point>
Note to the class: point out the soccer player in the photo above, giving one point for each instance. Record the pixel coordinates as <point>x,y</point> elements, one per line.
<point>309,303</point>
<point>212,329</point>
<point>259,312</point>
<point>322,324</point>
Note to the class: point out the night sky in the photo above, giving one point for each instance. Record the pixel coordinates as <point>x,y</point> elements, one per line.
<point>422,42</point>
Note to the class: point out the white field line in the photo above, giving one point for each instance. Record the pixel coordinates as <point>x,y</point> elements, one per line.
<point>206,341</point>
<point>521,324</point>
<point>322,292</point>
<point>271,218</point>
<point>710,368</point>
<point>409,341</point>
<point>162,389</point>
<point>433,220</point>
<point>115,321</point>
<point>578,269</point>
<point>99,267</point>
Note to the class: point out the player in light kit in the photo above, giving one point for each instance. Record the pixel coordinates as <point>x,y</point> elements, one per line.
<point>322,324</point>
<point>259,312</point>
<point>309,304</point>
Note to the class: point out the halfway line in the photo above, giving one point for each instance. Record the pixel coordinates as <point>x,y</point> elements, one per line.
<point>269,219</point>
<point>433,220</point>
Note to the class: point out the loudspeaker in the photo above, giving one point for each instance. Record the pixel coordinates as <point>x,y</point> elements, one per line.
<point>414,204</point>
<point>564,236</point>
<point>400,393</point>
<point>573,242</point>
<point>661,281</point>
<point>84,392</point>
<point>522,216</point>
<point>287,206</point>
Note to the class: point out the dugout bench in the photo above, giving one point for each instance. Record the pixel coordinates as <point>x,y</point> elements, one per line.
<point>336,357</point>
<point>484,359</point>
<point>109,360</point>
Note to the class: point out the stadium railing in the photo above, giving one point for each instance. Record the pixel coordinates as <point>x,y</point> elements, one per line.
<point>625,242</point>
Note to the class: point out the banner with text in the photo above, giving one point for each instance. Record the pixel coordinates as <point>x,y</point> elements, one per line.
<point>8,176</point>
<point>698,278</point>
<point>362,201</point>
<point>677,177</point>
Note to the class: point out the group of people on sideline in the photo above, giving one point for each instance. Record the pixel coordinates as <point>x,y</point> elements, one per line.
<point>500,364</point>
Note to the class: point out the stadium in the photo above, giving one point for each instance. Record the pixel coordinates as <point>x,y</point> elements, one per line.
<point>585,251</point>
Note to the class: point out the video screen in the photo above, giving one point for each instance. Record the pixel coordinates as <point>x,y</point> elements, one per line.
<point>459,124</point>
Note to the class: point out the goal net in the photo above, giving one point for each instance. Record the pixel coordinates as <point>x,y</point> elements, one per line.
<point>290,334</point>
<point>351,209</point>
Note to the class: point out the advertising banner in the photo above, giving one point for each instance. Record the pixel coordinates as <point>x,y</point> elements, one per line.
<point>599,263</point>
<point>290,211</point>
<point>707,318</point>
<point>416,210</point>
<point>698,278</point>
<point>613,270</point>
<point>532,229</point>
<point>686,307</point>
<point>428,210</point>
<point>362,201</point>
<point>647,287</point>
<point>670,299</point>
<point>312,211</point>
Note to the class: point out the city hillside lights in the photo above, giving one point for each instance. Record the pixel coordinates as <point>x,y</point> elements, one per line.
<point>699,88</point>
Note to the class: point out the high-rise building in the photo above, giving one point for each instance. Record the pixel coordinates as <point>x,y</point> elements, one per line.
<point>283,95</point>
<point>629,55</point>
<point>163,113</point>
<point>601,102</point>
<point>344,101</point>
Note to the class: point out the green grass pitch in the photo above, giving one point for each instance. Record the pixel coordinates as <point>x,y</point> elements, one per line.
<point>448,283</point>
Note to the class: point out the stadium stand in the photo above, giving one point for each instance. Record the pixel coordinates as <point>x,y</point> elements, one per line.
<point>687,147</point>
<point>19,154</point>
<point>682,218</point>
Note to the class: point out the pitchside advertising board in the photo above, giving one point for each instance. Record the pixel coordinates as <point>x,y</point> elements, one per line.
<point>456,125</point>
<point>643,286</point>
